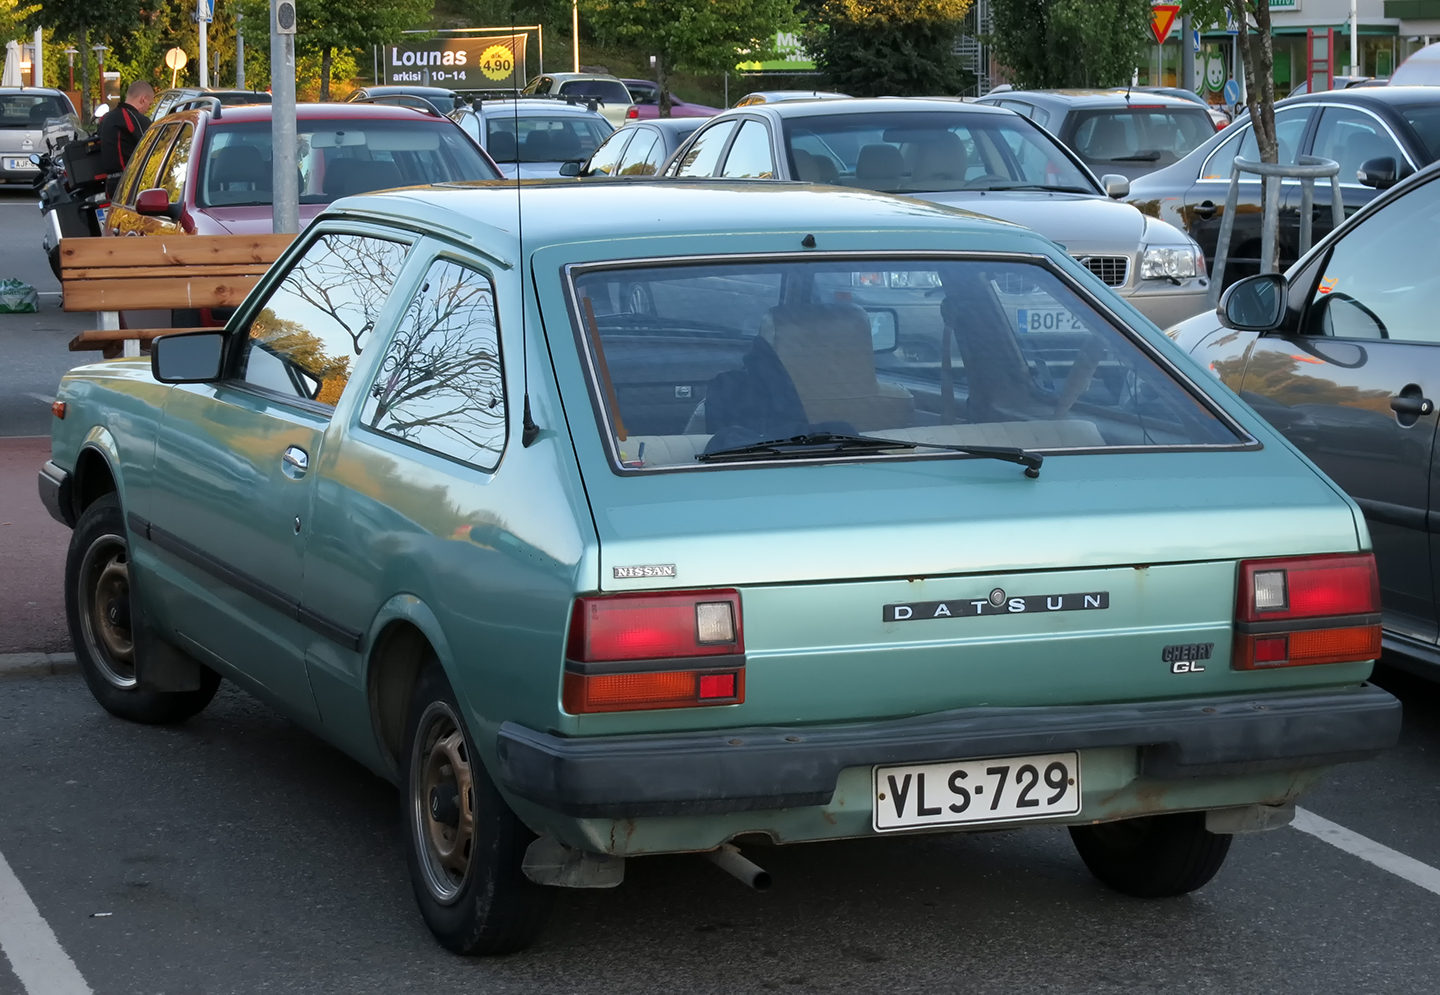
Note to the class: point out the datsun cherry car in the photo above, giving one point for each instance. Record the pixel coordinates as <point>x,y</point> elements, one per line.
<point>713,512</point>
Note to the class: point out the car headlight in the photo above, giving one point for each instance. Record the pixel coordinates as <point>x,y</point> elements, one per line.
<point>1171,263</point>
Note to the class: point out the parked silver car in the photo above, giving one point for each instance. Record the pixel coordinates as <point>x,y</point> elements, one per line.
<point>23,114</point>
<point>984,159</point>
<point>533,136</point>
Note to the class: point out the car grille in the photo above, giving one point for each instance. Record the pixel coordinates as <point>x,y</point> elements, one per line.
<point>1112,270</point>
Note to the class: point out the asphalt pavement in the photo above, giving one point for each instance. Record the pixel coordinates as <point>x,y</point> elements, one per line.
<point>238,854</point>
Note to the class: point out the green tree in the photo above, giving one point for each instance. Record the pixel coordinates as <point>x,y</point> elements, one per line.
<point>696,35</point>
<point>327,28</point>
<point>77,18</point>
<point>887,47</point>
<point>1062,43</point>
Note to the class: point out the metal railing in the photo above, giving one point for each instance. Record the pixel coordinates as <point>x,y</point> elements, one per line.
<point>1307,169</point>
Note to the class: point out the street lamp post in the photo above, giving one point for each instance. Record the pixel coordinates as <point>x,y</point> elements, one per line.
<point>100,51</point>
<point>239,53</point>
<point>285,179</point>
<point>70,54</point>
<point>575,31</point>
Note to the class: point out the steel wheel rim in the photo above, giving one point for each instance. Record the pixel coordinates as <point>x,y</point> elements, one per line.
<point>104,600</point>
<point>440,766</point>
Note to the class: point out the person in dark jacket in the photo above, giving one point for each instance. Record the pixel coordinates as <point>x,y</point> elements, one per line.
<point>121,130</point>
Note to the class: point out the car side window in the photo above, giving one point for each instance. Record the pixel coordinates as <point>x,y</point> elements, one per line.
<point>305,340</point>
<point>149,171</point>
<point>607,157</point>
<point>703,154</point>
<point>441,386</point>
<point>1350,137</point>
<point>130,185</point>
<point>643,156</point>
<point>1289,128</point>
<point>750,156</point>
<point>1381,281</point>
<point>177,165</point>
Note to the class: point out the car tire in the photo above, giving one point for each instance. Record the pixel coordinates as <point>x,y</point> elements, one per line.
<point>1157,856</point>
<point>105,620</point>
<point>463,844</point>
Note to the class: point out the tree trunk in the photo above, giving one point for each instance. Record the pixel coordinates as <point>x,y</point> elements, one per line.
<point>325,60</point>
<point>85,105</point>
<point>1259,55</point>
<point>662,77</point>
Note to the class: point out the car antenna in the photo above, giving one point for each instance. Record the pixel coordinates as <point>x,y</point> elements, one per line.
<point>529,431</point>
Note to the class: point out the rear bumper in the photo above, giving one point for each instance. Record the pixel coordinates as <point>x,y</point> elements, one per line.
<point>738,770</point>
<point>55,493</point>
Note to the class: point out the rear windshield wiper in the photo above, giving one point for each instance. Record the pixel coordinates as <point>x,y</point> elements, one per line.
<point>828,443</point>
<point>1151,155</point>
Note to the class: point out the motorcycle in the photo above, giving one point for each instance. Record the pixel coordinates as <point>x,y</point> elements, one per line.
<point>72,194</point>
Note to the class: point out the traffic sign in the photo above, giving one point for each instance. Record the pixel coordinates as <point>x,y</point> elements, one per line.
<point>176,59</point>
<point>1232,92</point>
<point>1162,19</point>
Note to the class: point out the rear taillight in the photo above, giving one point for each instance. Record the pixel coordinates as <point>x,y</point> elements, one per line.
<point>633,113</point>
<point>670,649</point>
<point>1307,610</point>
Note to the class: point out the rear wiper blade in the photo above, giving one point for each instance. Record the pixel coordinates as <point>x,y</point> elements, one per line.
<point>1150,155</point>
<point>826,443</point>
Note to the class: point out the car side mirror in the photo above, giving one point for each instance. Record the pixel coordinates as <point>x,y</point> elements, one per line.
<point>1116,186</point>
<point>883,334</point>
<point>152,202</point>
<point>571,168</point>
<point>1382,173</point>
<point>1255,304</point>
<point>191,357</point>
<point>34,158</point>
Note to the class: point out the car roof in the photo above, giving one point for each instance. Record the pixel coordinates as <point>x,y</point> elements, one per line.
<point>1379,95</point>
<point>564,211</point>
<point>533,105</point>
<point>567,77</point>
<point>317,112</point>
<point>27,90</point>
<point>436,91</point>
<point>1103,99</point>
<point>863,105</point>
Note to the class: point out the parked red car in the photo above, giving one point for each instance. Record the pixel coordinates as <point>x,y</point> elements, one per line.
<point>207,171</point>
<point>646,94</point>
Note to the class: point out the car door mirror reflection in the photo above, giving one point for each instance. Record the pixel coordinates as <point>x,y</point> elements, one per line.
<point>1381,173</point>
<point>194,357</point>
<point>1254,304</point>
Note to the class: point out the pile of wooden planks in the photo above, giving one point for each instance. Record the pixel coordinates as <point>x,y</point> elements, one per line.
<point>159,273</point>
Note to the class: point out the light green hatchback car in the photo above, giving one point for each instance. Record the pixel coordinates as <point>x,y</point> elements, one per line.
<point>681,516</point>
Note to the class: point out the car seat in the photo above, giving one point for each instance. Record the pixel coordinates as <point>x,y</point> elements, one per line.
<point>537,147</point>
<point>880,166</point>
<point>237,168</point>
<point>829,354</point>
<point>347,177</point>
<point>1107,140</point>
<point>814,168</point>
<point>942,159</point>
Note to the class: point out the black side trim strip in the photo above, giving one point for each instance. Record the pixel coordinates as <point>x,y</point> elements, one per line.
<point>246,584</point>
<point>1393,514</point>
<point>1305,624</point>
<point>726,662</point>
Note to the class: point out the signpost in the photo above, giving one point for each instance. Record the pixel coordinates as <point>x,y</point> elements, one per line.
<point>175,60</point>
<point>473,63</point>
<point>1162,19</point>
<point>285,178</point>
<point>204,13</point>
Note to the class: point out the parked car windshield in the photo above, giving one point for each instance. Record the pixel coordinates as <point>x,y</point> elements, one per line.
<point>694,359</point>
<point>337,159</point>
<point>30,111</point>
<point>916,151</point>
<point>544,138</point>
<point>1157,135</point>
<point>610,91</point>
<point>1425,119</point>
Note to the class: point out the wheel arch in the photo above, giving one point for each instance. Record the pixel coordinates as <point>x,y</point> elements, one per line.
<point>95,473</point>
<point>405,632</point>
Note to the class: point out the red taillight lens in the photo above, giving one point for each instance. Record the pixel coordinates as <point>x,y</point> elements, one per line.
<point>632,113</point>
<point>656,626</point>
<point>1307,610</point>
<point>700,630</point>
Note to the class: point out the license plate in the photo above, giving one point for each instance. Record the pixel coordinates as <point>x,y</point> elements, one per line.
<point>19,164</point>
<point>966,792</point>
<point>1046,319</point>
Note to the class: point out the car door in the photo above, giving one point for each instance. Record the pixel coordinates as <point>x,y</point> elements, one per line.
<point>1204,209</point>
<point>142,173</point>
<point>233,493</point>
<point>1355,390</point>
<point>1350,136</point>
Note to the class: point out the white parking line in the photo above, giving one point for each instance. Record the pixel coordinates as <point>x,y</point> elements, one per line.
<point>1368,850</point>
<point>36,957</point>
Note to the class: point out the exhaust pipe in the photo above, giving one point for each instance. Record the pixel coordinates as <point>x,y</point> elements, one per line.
<point>729,859</point>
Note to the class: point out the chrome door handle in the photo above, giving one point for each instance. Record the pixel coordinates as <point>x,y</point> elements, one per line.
<point>295,462</point>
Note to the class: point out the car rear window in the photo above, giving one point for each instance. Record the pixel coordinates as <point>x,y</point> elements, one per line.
<point>544,138</point>
<point>917,151</point>
<point>1425,119</point>
<point>687,360</point>
<point>611,91</point>
<point>337,159</point>
<point>23,110</point>
<point>1155,135</point>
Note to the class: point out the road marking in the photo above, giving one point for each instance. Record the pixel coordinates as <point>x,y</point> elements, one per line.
<point>1412,870</point>
<point>36,957</point>
<point>41,397</point>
